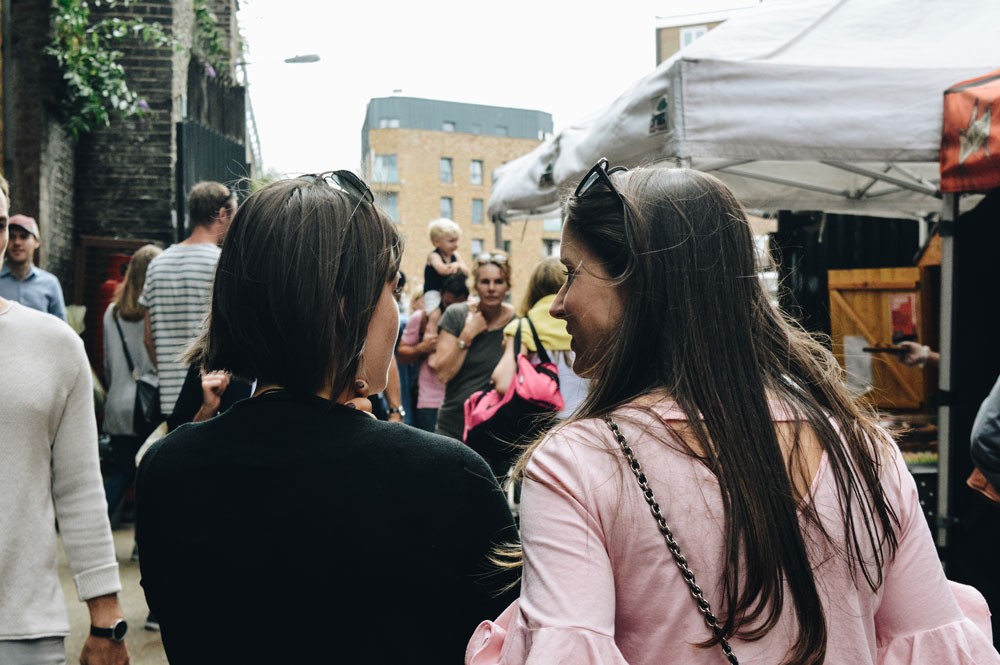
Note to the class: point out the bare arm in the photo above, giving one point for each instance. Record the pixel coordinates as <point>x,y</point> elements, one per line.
<point>411,353</point>
<point>450,356</point>
<point>460,264</point>
<point>439,265</point>
<point>503,373</point>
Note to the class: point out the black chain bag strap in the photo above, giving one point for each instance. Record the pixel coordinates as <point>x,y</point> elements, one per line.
<point>668,536</point>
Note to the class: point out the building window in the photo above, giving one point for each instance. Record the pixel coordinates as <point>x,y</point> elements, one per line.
<point>502,130</point>
<point>385,169</point>
<point>476,172</point>
<point>691,33</point>
<point>389,203</point>
<point>550,247</point>
<point>445,169</point>
<point>477,247</point>
<point>553,224</point>
<point>388,123</point>
<point>477,211</point>
<point>446,207</point>
<point>448,126</point>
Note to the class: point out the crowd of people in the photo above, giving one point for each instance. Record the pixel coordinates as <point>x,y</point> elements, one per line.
<point>710,484</point>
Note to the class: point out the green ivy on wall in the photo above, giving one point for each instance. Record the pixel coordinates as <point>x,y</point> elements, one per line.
<point>86,50</point>
<point>209,43</point>
<point>94,84</point>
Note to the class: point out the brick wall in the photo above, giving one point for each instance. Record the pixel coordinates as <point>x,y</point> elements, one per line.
<point>420,190</point>
<point>40,166</point>
<point>55,203</point>
<point>125,172</point>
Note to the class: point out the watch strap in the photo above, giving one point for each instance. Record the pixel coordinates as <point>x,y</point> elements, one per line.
<point>115,632</point>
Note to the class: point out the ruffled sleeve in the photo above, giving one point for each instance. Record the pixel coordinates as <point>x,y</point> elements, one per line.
<point>559,619</point>
<point>922,616</point>
<point>959,643</point>
<point>508,640</point>
<point>968,641</point>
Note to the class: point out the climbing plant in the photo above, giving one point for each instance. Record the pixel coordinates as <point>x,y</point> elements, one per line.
<point>209,42</point>
<point>86,49</point>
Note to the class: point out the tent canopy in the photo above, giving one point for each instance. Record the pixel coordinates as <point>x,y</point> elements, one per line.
<point>831,105</point>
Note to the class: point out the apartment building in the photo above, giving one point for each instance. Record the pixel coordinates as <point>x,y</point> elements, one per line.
<point>690,20</point>
<point>426,159</point>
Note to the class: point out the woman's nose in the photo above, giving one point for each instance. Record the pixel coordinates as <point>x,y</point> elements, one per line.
<point>556,309</point>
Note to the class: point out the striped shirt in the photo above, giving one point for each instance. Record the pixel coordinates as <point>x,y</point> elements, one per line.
<point>177,291</point>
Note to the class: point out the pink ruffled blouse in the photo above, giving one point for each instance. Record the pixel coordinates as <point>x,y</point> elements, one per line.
<point>600,587</point>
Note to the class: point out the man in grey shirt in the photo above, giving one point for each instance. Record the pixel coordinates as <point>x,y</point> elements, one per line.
<point>49,474</point>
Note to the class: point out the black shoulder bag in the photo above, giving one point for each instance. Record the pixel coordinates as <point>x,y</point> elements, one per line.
<point>146,415</point>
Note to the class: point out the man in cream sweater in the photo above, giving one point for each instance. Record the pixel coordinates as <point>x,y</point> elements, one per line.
<point>49,473</point>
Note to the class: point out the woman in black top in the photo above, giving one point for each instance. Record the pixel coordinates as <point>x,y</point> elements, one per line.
<point>292,527</point>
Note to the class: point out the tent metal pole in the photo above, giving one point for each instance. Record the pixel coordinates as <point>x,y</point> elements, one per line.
<point>884,177</point>
<point>785,181</point>
<point>949,213</point>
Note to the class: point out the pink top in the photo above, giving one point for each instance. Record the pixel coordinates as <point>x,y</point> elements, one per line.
<point>430,391</point>
<point>600,586</point>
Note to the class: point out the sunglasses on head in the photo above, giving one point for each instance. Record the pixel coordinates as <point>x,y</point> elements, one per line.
<point>491,258</point>
<point>348,183</point>
<point>600,173</point>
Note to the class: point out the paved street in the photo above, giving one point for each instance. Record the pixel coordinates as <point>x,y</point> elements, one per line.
<point>144,646</point>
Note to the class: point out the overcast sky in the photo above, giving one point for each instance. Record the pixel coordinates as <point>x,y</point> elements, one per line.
<point>569,59</point>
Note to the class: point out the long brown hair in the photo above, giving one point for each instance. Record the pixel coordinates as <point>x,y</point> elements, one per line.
<point>699,325</point>
<point>126,298</point>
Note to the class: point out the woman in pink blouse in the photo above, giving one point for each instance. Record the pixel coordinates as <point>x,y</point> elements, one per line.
<point>792,511</point>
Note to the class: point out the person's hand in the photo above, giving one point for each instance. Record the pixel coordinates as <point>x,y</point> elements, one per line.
<point>102,651</point>
<point>427,345</point>
<point>213,384</point>
<point>360,400</point>
<point>916,355</point>
<point>475,323</point>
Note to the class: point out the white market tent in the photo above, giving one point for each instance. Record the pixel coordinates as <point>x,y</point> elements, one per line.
<point>832,105</point>
<point>827,105</point>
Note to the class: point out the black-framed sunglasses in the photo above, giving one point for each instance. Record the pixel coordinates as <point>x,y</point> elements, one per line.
<point>486,257</point>
<point>348,183</point>
<point>600,173</point>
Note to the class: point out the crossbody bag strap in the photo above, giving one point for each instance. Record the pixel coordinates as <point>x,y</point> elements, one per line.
<point>668,536</point>
<point>128,356</point>
<point>539,349</point>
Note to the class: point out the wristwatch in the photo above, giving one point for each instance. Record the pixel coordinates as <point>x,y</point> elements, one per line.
<point>397,409</point>
<point>462,345</point>
<point>116,632</point>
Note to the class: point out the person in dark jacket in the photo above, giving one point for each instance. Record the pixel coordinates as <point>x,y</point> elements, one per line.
<point>345,538</point>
